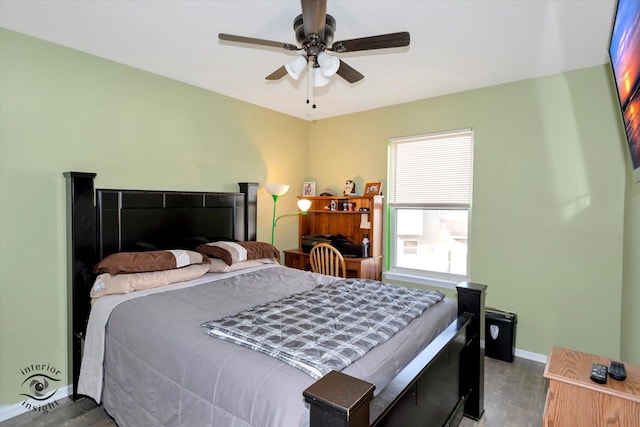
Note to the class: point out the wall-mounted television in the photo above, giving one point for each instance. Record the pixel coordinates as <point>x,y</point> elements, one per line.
<point>624,51</point>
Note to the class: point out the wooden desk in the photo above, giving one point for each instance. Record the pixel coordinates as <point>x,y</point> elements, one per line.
<point>365,268</point>
<point>574,400</point>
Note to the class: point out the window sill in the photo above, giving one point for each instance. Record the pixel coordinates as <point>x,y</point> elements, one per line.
<point>421,280</point>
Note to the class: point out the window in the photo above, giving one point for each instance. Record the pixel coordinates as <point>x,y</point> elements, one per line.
<point>429,198</point>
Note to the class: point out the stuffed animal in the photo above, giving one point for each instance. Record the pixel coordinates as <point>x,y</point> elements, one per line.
<point>349,188</point>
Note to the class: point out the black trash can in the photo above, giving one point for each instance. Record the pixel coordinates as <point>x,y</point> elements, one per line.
<point>500,334</point>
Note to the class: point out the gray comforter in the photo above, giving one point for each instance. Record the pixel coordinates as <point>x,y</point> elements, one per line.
<point>161,369</point>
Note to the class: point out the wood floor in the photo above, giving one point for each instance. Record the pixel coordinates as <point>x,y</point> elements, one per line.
<point>514,396</point>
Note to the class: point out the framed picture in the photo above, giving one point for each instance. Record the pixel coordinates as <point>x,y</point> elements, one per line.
<point>309,189</point>
<point>372,189</point>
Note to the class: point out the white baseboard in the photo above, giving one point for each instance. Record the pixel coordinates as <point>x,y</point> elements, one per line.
<point>536,357</point>
<point>10,411</point>
<point>529,355</point>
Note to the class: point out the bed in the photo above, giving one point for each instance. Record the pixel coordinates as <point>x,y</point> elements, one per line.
<point>160,368</point>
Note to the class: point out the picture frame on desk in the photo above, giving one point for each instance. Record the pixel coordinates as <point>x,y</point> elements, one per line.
<point>309,189</point>
<point>372,189</point>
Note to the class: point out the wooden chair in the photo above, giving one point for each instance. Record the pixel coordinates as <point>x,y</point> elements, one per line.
<point>325,259</point>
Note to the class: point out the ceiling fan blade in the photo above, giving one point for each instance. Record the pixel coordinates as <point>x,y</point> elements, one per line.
<point>349,73</point>
<point>277,74</point>
<point>314,16</point>
<point>374,42</point>
<point>261,42</point>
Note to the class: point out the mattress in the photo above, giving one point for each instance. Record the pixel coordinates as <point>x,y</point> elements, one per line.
<point>161,369</point>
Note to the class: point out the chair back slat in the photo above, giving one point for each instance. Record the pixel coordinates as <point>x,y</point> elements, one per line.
<point>325,259</point>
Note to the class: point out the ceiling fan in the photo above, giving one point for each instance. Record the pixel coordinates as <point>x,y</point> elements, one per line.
<point>314,30</point>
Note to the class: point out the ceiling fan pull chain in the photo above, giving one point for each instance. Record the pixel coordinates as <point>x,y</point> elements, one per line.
<point>308,82</point>
<point>314,97</point>
<point>312,75</point>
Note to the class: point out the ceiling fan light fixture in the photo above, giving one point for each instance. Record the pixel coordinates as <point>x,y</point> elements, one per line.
<point>296,66</point>
<point>319,79</point>
<point>328,64</point>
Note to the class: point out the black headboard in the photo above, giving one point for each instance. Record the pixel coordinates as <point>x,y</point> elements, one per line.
<point>102,222</point>
<point>149,220</point>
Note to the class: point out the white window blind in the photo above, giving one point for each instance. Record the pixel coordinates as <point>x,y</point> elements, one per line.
<point>431,170</point>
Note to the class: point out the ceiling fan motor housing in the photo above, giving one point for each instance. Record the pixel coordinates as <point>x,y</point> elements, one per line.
<point>313,44</point>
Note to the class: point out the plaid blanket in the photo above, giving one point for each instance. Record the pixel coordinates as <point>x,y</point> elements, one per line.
<point>328,327</point>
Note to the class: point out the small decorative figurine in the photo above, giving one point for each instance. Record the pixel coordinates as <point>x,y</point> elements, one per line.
<point>349,188</point>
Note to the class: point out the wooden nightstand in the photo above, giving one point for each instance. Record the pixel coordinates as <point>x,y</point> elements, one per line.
<point>574,400</point>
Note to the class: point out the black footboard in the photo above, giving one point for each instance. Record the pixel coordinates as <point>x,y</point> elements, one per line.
<point>443,383</point>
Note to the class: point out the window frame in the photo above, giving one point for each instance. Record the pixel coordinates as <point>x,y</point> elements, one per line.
<point>420,276</point>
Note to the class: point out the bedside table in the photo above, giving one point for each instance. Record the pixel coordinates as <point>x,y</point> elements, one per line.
<point>574,400</point>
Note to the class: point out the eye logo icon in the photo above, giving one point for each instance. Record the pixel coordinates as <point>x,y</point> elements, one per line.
<point>40,381</point>
<point>39,387</point>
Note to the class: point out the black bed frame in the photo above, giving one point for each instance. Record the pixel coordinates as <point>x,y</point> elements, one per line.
<point>443,383</point>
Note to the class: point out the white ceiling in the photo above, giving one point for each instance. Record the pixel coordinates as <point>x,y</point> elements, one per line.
<point>455,45</point>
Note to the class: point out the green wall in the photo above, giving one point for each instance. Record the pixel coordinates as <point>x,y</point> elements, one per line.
<point>62,110</point>
<point>630,348</point>
<point>555,234</point>
<point>548,197</point>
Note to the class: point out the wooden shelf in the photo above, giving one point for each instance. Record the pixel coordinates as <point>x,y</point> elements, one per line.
<point>319,220</point>
<point>353,224</point>
<point>336,212</point>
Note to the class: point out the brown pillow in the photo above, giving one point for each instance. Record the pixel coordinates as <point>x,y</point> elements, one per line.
<point>232,252</point>
<point>139,262</point>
